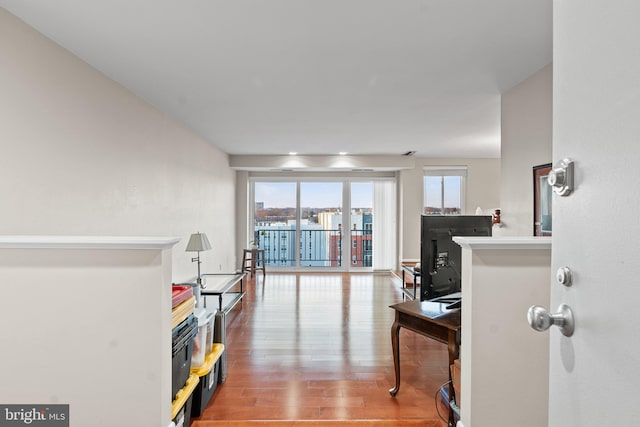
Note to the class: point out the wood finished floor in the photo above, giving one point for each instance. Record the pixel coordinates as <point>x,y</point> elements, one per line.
<point>316,349</point>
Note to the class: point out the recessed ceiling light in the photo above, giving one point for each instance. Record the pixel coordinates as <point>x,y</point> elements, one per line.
<point>292,153</point>
<point>343,153</point>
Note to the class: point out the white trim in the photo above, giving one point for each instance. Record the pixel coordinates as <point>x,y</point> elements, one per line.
<point>319,177</point>
<point>321,163</point>
<point>87,242</point>
<point>445,171</point>
<point>504,243</point>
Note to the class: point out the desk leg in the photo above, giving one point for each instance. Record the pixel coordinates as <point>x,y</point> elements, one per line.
<point>454,351</point>
<point>404,285</point>
<point>395,344</point>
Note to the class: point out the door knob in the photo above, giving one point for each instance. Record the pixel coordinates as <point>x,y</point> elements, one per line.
<point>540,319</point>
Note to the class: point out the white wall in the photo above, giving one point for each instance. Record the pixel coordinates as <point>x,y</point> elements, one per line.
<point>242,232</point>
<point>82,155</point>
<point>483,190</point>
<point>504,363</point>
<point>89,322</point>
<point>526,142</point>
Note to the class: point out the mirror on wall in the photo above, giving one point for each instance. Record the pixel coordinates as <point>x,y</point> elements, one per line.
<point>542,192</point>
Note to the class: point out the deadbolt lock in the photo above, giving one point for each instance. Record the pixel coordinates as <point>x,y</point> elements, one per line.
<point>563,276</point>
<point>561,178</point>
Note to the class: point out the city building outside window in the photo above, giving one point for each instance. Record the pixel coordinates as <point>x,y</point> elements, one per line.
<point>299,222</point>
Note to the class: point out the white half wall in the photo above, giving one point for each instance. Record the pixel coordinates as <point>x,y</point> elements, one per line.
<point>89,322</point>
<point>81,155</point>
<point>504,363</point>
<point>526,142</point>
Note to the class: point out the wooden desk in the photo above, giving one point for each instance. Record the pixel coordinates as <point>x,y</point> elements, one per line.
<point>432,320</point>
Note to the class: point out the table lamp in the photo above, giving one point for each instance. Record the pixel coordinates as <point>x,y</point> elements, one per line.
<point>198,242</point>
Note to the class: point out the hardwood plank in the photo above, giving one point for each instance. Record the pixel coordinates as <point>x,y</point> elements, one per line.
<point>320,423</point>
<point>315,349</point>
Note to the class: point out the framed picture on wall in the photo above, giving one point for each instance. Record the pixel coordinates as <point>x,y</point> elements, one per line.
<point>542,224</point>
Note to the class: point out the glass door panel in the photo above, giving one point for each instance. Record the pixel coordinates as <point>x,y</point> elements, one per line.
<point>274,222</point>
<point>316,224</point>
<point>361,224</point>
<point>433,195</point>
<point>320,224</point>
<point>452,191</point>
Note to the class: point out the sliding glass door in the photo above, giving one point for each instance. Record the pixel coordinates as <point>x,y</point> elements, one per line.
<point>322,224</point>
<point>274,221</point>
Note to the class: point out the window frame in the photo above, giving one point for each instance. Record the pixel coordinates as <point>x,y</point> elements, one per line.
<point>442,172</point>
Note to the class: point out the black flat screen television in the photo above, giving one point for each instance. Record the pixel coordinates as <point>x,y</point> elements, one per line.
<point>440,256</point>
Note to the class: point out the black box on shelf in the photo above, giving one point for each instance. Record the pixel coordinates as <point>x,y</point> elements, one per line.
<point>182,349</point>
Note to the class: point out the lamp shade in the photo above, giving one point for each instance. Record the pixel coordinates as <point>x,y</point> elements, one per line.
<point>198,242</point>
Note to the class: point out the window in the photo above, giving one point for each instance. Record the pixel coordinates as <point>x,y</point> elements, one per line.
<point>306,220</point>
<point>444,190</point>
<point>368,228</point>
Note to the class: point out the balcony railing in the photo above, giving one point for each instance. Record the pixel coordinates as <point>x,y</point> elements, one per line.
<point>318,248</point>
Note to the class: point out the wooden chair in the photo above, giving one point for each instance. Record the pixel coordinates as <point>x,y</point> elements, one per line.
<point>253,260</point>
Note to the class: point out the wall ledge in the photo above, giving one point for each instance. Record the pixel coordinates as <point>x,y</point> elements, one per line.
<point>504,243</point>
<point>87,242</point>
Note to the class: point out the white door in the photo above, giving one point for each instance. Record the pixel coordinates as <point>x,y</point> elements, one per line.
<point>595,374</point>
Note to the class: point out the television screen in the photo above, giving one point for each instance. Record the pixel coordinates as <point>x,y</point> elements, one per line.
<point>440,255</point>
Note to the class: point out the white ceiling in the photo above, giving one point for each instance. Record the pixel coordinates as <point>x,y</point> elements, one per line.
<point>314,76</point>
